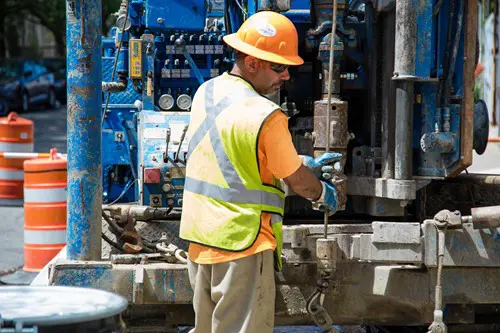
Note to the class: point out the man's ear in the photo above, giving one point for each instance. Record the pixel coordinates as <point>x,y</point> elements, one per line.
<point>251,64</point>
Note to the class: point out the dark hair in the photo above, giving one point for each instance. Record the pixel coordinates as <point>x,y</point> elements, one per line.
<point>239,55</point>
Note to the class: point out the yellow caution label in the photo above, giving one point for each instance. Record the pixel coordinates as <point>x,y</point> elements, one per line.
<point>135,61</point>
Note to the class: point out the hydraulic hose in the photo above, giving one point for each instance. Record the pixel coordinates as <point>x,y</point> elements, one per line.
<point>454,52</point>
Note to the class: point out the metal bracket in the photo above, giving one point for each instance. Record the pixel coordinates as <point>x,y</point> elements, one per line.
<point>119,136</point>
<point>138,292</point>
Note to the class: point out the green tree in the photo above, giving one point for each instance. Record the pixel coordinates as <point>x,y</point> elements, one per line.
<point>52,15</point>
<point>10,11</point>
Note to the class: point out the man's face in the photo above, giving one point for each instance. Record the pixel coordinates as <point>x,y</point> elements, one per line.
<point>269,77</point>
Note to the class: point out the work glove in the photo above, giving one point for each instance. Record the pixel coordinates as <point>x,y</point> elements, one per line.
<point>328,199</point>
<point>323,166</point>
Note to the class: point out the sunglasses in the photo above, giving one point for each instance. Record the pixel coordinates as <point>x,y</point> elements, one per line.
<point>278,68</point>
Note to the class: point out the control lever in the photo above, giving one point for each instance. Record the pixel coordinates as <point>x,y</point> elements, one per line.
<point>165,154</point>
<point>184,130</point>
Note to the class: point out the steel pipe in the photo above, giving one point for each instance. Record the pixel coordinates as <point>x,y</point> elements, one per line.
<point>114,87</point>
<point>486,217</point>
<point>387,95</point>
<point>404,73</point>
<point>83,36</point>
<point>404,127</point>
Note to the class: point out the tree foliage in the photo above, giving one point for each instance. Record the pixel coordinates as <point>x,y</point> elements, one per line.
<point>49,13</point>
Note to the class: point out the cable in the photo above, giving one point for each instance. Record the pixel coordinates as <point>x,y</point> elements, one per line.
<point>123,192</point>
<point>438,7</point>
<point>329,107</point>
<point>116,62</point>
<point>112,223</point>
<point>110,242</point>
<point>241,7</point>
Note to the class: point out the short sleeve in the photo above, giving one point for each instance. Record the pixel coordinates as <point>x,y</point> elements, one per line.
<point>275,142</point>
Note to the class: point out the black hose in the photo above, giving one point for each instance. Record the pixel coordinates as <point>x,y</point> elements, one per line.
<point>116,58</point>
<point>110,242</point>
<point>441,89</point>
<point>454,52</point>
<point>438,7</point>
<point>112,223</point>
<point>227,21</point>
<point>147,249</point>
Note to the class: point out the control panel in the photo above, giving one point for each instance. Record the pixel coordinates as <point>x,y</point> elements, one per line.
<point>163,145</point>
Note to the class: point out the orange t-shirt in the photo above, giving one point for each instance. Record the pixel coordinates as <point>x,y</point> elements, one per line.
<point>278,157</point>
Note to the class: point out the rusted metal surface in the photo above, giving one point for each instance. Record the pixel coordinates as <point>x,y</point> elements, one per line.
<point>339,138</point>
<point>467,114</point>
<point>83,35</point>
<point>438,142</point>
<point>132,242</point>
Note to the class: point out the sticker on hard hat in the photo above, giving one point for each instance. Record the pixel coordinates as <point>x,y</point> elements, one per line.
<point>267,30</point>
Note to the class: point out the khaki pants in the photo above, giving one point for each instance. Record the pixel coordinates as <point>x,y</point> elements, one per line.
<point>234,296</point>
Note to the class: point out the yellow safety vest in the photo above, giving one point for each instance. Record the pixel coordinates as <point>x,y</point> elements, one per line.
<point>224,196</point>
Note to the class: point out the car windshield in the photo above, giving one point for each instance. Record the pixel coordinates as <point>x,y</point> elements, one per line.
<point>9,70</point>
<point>56,66</point>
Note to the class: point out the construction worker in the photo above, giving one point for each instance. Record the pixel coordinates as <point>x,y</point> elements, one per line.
<point>239,149</point>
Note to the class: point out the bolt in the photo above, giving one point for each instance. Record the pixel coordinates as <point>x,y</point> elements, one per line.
<point>160,20</point>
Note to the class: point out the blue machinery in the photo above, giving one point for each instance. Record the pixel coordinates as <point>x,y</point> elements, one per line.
<point>403,116</point>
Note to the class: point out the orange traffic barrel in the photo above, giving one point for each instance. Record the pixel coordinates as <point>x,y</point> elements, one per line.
<point>16,135</point>
<point>44,210</point>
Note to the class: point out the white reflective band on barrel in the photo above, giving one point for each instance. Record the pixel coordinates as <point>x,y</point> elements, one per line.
<point>11,174</point>
<point>16,147</point>
<point>45,195</point>
<point>233,195</point>
<point>38,237</point>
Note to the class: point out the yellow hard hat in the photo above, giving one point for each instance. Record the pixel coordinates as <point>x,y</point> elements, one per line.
<point>268,36</point>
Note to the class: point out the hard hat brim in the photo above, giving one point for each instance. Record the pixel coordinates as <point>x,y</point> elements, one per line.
<point>233,41</point>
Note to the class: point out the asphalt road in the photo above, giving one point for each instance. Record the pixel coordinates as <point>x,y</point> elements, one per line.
<point>50,132</point>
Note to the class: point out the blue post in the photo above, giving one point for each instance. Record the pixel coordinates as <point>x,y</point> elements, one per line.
<point>83,38</point>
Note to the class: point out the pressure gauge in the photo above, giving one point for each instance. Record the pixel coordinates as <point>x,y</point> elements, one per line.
<point>166,102</point>
<point>184,102</point>
<point>166,187</point>
<point>123,20</point>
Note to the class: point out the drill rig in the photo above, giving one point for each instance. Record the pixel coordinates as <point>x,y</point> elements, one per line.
<point>399,74</point>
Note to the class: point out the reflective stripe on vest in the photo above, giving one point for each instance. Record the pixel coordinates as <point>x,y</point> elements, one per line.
<point>224,196</point>
<point>236,193</point>
<point>275,218</point>
<point>233,195</point>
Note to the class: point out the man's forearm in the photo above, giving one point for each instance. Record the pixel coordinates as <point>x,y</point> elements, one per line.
<point>304,183</point>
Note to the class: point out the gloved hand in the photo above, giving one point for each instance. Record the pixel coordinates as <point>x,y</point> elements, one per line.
<point>328,199</point>
<point>322,166</point>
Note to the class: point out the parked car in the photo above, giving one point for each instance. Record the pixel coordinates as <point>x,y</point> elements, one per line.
<point>57,66</point>
<point>24,83</point>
